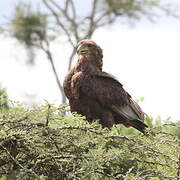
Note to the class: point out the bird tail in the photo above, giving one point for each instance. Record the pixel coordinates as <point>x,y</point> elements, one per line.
<point>130,118</point>
<point>138,124</point>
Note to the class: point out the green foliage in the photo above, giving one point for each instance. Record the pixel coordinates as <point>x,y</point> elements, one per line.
<point>46,143</point>
<point>3,99</point>
<point>28,26</point>
<point>132,7</point>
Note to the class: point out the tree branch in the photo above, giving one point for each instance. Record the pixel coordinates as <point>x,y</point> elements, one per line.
<point>60,23</point>
<point>91,17</point>
<point>50,58</point>
<point>71,58</point>
<point>66,14</point>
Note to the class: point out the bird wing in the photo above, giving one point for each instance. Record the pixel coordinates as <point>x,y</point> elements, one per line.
<point>105,89</point>
<point>110,94</point>
<point>67,83</point>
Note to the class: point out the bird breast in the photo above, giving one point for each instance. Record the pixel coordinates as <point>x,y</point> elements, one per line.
<point>75,84</point>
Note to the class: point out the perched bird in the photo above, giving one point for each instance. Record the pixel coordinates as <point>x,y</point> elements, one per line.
<point>97,94</point>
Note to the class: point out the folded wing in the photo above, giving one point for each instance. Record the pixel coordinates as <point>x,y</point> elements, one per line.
<point>110,94</point>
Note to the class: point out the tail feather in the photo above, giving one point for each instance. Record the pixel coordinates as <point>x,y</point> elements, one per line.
<point>138,124</point>
<point>130,118</point>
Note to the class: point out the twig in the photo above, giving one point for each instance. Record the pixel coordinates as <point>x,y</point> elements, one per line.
<point>178,168</point>
<point>59,23</point>
<point>66,14</point>
<point>48,115</point>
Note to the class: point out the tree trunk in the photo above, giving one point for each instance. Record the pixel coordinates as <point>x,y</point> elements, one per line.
<point>57,78</point>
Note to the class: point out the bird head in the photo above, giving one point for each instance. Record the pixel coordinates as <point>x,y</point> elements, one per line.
<point>89,47</point>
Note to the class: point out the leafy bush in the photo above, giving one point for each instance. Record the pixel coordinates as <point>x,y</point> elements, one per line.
<point>46,142</point>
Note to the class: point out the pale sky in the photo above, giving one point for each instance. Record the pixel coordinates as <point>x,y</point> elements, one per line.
<point>145,58</point>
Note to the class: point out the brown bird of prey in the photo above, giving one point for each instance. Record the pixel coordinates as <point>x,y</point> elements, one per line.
<point>97,94</point>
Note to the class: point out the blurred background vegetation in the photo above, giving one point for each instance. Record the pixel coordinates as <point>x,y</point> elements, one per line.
<point>38,28</point>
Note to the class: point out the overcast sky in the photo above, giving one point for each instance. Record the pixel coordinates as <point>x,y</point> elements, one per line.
<point>145,58</point>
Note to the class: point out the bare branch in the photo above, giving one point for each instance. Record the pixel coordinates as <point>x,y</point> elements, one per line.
<point>91,17</point>
<point>51,60</point>
<point>66,14</point>
<point>57,6</point>
<point>73,9</point>
<point>71,58</point>
<point>67,5</point>
<point>103,16</point>
<point>60,23</point>
<point>74,24</point>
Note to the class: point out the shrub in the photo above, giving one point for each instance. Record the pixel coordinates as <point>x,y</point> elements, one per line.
<point>46,142</point>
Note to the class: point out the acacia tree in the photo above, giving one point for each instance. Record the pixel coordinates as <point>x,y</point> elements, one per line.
<point>38,29</point>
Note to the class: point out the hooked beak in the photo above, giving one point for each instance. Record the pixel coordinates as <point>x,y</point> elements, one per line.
<point>82,50</point>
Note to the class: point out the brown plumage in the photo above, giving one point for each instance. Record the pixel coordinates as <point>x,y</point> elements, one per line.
<point>97,94</point>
